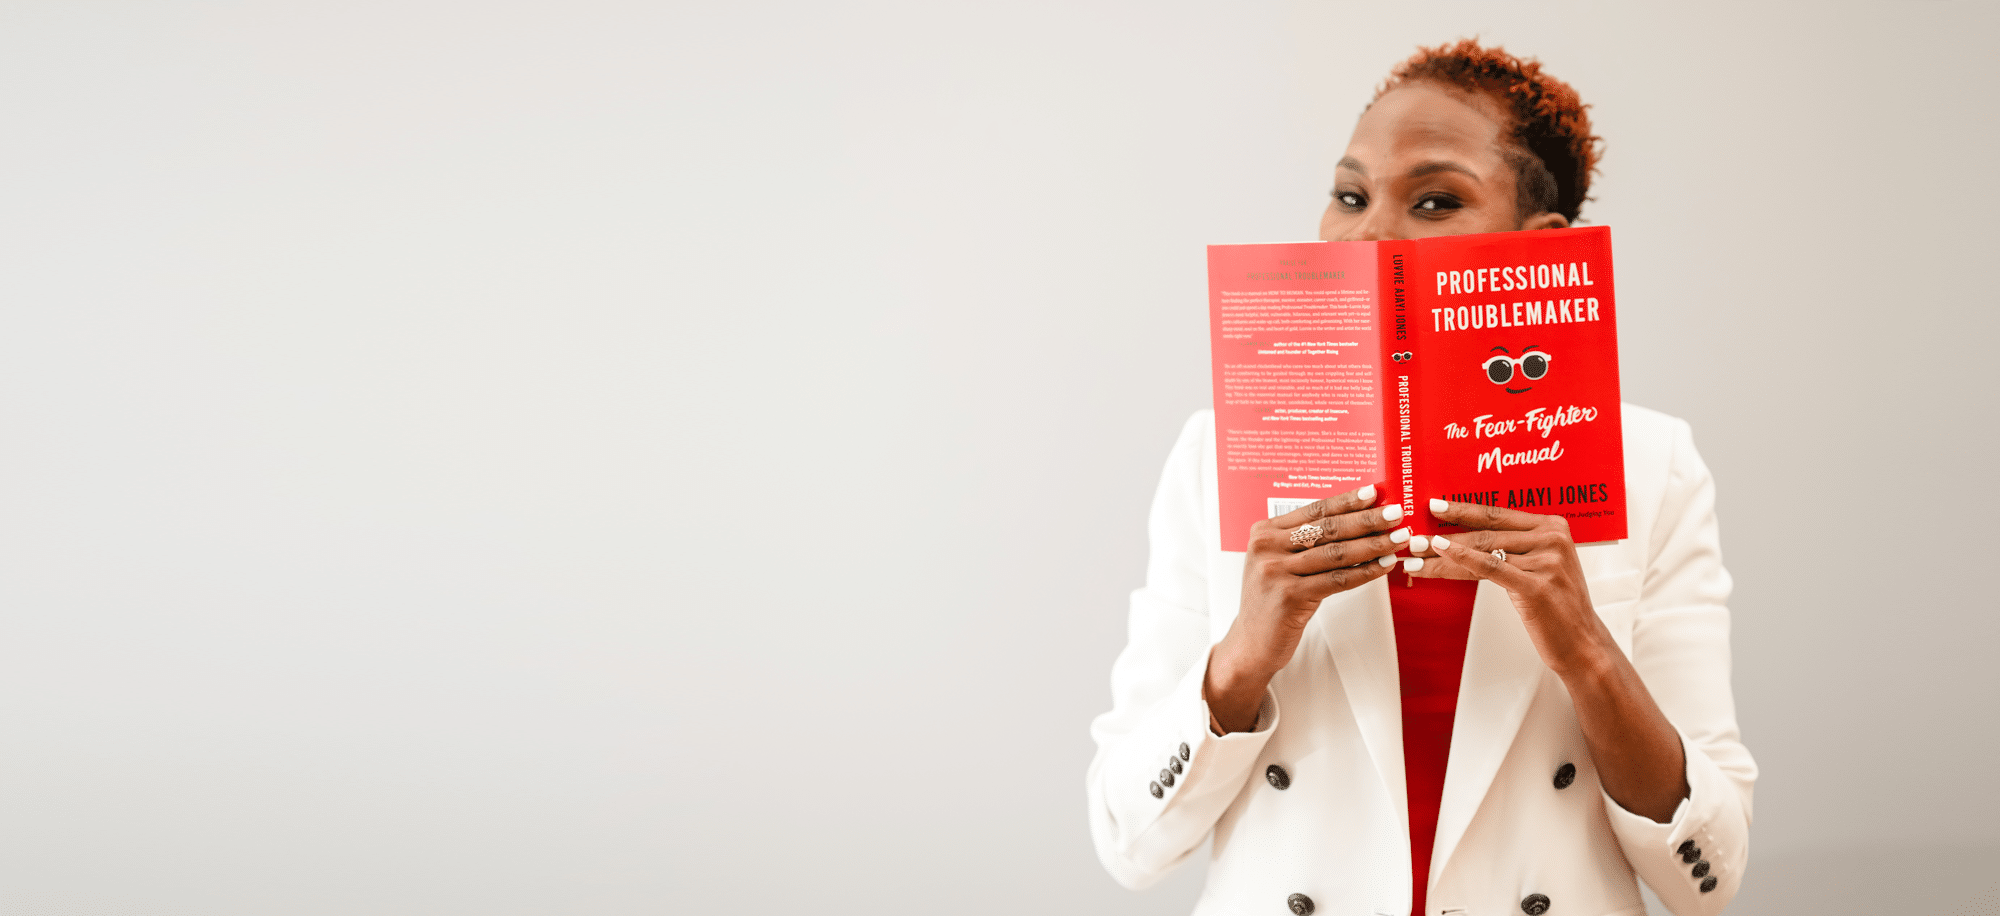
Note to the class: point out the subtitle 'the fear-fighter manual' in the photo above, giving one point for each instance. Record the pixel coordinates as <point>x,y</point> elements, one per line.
<point>1472,368</point>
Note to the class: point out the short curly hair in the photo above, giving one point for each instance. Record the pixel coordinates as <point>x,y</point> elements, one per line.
<point>1556,152</point>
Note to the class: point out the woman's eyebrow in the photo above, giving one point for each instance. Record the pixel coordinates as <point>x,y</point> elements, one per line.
<point>1349,162</point>
<point>1440,165</point>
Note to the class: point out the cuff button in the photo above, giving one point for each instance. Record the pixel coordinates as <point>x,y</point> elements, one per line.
<point>1174,764</point>
<point>1184,750</point>
<point>1299,904</point>
<point>1686,847</point>
<point>1167,778</point>
<point>1154,788</point>
<point>1708,884</point>
<point>1701,869</point>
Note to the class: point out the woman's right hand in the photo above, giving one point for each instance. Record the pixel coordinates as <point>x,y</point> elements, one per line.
<point>1283,584</point>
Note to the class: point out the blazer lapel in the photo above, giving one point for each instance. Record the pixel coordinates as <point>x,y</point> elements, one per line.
<point>1362,639</point>
<point>1502,671</point>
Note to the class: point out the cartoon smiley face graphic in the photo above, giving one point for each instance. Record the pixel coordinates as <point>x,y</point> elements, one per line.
<point>1503,367</point>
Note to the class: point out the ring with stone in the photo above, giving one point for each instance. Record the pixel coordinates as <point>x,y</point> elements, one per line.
<point>1305,535</point>
<point>1500,555</point>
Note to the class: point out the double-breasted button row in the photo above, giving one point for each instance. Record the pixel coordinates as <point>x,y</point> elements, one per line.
<point>1299,904</point>
<point>1535,904</point>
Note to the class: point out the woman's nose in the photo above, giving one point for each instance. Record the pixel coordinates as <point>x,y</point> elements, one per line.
<point>1374,227</point>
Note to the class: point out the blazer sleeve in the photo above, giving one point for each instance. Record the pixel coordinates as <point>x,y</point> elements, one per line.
<point>1680,647</point>
<point>1160,778</point>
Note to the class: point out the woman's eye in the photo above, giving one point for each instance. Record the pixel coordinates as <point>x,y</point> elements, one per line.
<point>1437,203</point>
<point>1350,200</point>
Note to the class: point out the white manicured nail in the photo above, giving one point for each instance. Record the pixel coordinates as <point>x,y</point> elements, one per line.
<point>1366,494</point>
<point>1386,561</point>
<point>1420,543</point>
<point>1399,535</point>
<point>1439,544</point>
<point>1439,505</point>
<point>1392,512</point>
<point>1412,564</point>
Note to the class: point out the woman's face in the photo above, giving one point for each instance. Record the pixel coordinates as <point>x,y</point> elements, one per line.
<point>1426,160</point>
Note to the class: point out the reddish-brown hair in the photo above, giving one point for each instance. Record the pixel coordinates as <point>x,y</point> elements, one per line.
<point>1557,152</point>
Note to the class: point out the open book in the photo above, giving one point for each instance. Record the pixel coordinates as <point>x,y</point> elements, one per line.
<point>1473,368</point>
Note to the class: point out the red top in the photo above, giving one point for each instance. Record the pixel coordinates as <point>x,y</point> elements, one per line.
<point>1432,618</point>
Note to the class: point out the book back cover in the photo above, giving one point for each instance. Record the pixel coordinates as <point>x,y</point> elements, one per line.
<point>1296,332</point>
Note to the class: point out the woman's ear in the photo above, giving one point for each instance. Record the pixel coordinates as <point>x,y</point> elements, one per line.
<point>1546,220</point>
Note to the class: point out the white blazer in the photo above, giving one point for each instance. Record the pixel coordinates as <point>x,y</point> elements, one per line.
<point>1333,827</point>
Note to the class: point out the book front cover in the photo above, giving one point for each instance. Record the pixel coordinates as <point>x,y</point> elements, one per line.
<point>1515,375</point>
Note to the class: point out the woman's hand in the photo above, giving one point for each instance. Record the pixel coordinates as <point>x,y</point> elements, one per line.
<point>1284,580</point>
<point>1640,761</point>
<point>1540,572</point>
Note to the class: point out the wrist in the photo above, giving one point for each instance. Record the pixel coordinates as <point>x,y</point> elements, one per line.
<point>1592,665</point>
<point>1233,688</point>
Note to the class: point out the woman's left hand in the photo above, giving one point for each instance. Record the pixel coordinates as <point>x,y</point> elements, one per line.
<point>1539,570</point>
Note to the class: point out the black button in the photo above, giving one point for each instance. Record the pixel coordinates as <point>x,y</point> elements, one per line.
<point>1174,764</point>
<point>1701,869</point>
<point>1535,904</point>
<point>1691,854</point>
<point>1154,788</point>
<point>1167,778</point>
<point>1565,775</point>
<point>1184,750</point>
<point>1708,884</point>
<point>1277,777</point>
<point>1686,847</point>
<point>1299,904</point>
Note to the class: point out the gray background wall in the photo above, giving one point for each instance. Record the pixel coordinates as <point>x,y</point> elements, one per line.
<point>623,458</point>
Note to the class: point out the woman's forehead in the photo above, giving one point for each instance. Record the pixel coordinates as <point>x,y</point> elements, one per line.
<point>1420,123</point>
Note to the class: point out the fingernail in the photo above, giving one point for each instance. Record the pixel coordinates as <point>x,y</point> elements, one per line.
<point>1439,505</point>
<point>1420,543</point>
<point>1393,512</point>
<point>1366,494</point>
<point>1399,535</point>
<point>1412,564</point>
<point>1386,561</point>
<point>1439,544</point>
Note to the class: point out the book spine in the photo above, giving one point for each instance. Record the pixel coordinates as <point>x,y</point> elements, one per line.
<point>1398,359</point>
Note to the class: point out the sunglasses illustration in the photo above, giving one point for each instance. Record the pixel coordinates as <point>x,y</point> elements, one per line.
<point>1532,366</point>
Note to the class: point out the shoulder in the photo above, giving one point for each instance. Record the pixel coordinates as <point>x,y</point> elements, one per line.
<point>1659,449</point>
<point>1651,428</point>
<point>1193,455</point>
<point>1200,427</point>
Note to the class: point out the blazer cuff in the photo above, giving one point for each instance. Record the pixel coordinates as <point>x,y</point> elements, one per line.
<point>1154,830</point>
<point>1693,862</point>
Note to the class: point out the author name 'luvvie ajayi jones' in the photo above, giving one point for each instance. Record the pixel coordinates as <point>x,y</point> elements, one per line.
<point>1574,494</point>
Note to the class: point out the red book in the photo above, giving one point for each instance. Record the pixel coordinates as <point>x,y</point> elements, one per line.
<point>1474,368</point>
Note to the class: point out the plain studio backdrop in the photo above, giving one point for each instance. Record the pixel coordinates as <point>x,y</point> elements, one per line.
<point>624,458</point>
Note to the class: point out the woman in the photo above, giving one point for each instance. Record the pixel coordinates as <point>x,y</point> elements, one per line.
<point>1458,733</point>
